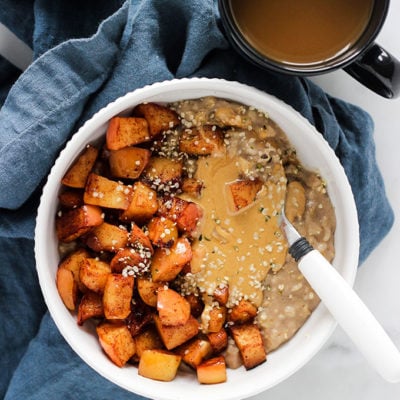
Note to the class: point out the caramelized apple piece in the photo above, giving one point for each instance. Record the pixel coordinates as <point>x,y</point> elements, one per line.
<point>147,340</point>
<point>139,239</point>
<point>167,263</point>
<point>123,132</point>
<point>117,296</point>
<point>140,317</point>
<point>128,162</point>
<point>137,260</point>
<point>174,335</point>
<point>243,312</point>
<point>192,187</point>
<point>186,214</point>
<point>218,340</point>
<point>212,371</point>
<point>71,198</point>
<point>103,192</point>
<point>107,237</point>
<point>74,223</point>
<point>187,222</point>
<point>67,288</point>
<point>249,340</point>
<point>159,118</point>
<point>173,309</point>
<point>158,364</point>
<point>194,352</point>
<point>242,193</point>
<point>93,273</point>
<point>162,231</point>
<point>90,306</point>
<point>116,341</point>
<point>202,140</point>
<point>73,263</point>
<point>221,294</point>
<point>147,290</point>
<point>77,174</point>
<point>163,174</point>
<point>213,317</point>
<point>143,204</point>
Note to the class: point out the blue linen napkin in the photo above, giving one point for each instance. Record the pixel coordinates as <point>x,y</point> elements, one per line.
<point>87,54</point>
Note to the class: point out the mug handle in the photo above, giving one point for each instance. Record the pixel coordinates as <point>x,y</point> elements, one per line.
<point>378,70</point>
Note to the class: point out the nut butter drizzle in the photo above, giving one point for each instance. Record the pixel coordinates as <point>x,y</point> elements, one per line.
<point>246,250</point>
<point>236,248</point>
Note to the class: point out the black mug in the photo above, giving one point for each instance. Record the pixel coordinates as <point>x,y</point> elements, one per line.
<point>364,60</point>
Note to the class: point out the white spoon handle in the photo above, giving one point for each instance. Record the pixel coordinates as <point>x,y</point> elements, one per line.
<point>352,315</point>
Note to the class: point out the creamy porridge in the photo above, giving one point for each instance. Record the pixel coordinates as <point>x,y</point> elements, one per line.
<point>259,267</point>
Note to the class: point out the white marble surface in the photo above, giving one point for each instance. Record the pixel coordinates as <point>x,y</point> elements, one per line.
<point>338,371</point>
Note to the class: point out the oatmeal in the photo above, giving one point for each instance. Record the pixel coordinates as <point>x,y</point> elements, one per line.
<point>257,266</point>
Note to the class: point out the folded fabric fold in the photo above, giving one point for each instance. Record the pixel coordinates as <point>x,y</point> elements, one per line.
<point>9,74</point>
<point>34,131</point>
<point>140,43</point>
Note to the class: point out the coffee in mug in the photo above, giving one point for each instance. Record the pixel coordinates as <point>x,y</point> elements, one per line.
<point>310,37</point>
<point>302,31</point>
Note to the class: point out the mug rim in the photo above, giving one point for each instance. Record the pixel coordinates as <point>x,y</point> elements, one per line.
<point>362,44</point>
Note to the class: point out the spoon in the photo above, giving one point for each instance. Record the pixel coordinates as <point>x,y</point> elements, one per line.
<point>345,305</point>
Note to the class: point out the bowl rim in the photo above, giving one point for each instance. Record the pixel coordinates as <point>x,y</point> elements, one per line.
<point>45,222</point>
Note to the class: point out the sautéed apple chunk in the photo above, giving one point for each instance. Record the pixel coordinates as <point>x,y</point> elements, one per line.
<point>171,246</point>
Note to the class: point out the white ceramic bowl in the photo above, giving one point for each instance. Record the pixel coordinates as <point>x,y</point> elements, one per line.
<point>312,150</point>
